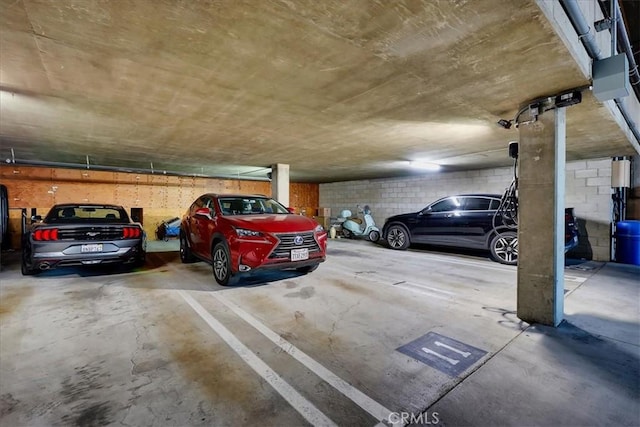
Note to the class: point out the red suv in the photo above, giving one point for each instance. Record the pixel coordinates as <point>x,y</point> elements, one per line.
<point>240,233</point>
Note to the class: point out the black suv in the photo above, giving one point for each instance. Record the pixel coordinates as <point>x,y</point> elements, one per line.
<point>473,221</point>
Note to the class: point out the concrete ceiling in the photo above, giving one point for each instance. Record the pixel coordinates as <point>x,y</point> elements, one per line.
<point>338,90</point>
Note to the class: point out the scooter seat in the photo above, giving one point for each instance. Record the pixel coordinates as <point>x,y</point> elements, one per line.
<point>356,220</point>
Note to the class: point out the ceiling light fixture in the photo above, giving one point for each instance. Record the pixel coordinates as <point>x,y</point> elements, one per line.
<point>419,164</point>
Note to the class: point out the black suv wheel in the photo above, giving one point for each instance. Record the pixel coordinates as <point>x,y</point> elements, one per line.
<point>504,248</point>
<point>397,237</point>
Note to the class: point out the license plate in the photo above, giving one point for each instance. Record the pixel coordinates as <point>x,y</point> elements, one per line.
<point>299,254</point>
<point>97,247</point>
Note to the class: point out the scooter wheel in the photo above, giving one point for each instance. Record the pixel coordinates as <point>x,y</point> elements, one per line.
<point>374,236</point>
<point>348,234</point>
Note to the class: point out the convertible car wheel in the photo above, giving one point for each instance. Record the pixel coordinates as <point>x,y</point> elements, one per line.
<point>140,261</point>
<point>25,266</point>
<point>504,248</point>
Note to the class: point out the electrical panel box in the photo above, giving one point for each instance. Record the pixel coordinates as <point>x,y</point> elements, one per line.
<point>621,173</point>
<point>611,78</point>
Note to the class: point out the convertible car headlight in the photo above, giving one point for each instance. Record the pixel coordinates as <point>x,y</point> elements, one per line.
<point>319,229</point>
<point>242,232</point>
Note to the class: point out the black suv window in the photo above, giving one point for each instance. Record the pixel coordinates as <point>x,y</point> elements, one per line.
<point>477,204</point>
<point>446,205</point>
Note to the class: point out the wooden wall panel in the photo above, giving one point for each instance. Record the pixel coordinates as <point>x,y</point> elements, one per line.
<point>160,196</point>
<point>173,197</point>
<point>304,197</point>
<point>72,175</point>
<point>125,194</point>
<point>255,187</point>
<point>96,193</point>
<point>186,191</point>
<point>302,194</point>
<point>29,193</point>
<point>226,186</point>
<point>14,227</point>
<point>8,172</point>
<point>144,194</point>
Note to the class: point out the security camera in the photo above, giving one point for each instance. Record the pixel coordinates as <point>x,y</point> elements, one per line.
<point>504,123</point>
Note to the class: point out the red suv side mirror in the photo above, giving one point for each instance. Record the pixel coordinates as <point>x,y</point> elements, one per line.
<point>206,212</point>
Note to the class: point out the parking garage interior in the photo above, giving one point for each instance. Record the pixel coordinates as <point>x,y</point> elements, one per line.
<point>325,106</point>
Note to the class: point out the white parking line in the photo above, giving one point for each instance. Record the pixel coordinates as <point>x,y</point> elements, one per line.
<point>365,402</point>
<point>295,399</point>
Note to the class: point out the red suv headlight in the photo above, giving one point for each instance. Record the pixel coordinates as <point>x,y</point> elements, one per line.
<point>243,232</point>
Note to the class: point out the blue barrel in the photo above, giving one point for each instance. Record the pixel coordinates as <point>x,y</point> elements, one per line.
<point>628,242</point>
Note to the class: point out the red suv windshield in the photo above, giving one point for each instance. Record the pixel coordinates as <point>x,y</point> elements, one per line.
<point>250,206</point>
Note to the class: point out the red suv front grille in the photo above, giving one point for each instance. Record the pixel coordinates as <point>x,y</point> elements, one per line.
<point>287,243</point>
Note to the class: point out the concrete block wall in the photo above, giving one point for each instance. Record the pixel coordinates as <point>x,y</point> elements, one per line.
<point>588,190</point>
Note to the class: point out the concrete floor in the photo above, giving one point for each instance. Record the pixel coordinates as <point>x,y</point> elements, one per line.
<point>167,346</point>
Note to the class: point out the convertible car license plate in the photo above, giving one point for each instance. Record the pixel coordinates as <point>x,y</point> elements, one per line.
<point>97,247</point>
<point>299,254</point>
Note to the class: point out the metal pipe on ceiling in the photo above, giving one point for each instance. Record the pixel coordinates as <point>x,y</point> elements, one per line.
<point>613,18</point>
<point>143,171</point>
<point>585,35</point>
<point>585,32</point>
<point>634,73</point>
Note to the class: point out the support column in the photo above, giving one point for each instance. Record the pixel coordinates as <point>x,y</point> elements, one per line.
<point>541,194</point>
<point>280,183</point>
